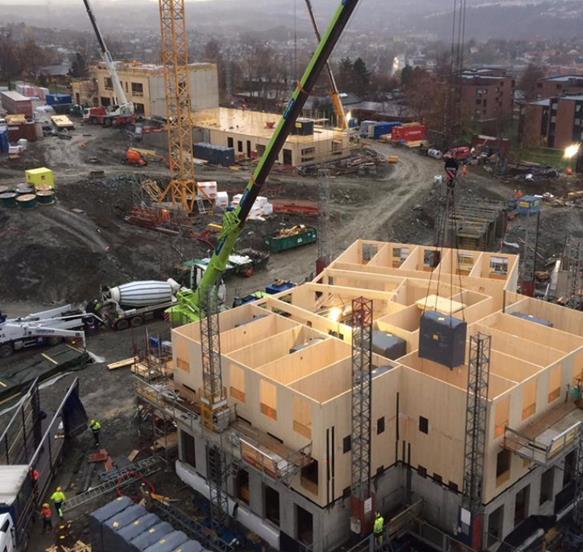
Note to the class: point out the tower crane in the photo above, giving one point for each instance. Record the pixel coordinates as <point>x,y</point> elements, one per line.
<point>190,307</point>
<point>334,93</point>
<point>123,111</point>
<point>174,53</point>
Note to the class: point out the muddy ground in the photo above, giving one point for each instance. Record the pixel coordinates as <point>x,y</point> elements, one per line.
<point>64,253</point>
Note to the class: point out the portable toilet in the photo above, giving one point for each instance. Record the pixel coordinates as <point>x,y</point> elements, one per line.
<point>529,204</point>
<point>41,178</point>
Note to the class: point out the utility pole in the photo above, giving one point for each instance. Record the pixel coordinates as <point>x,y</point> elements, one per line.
<point>362,501</point>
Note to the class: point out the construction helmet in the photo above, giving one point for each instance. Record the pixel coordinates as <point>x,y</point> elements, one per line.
<point>45,505</point>
<point>91,422</point>
<point>378,515</point>
<point>59,489</point>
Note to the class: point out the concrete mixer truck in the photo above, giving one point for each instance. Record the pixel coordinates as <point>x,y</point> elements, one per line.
<point>132,304</point>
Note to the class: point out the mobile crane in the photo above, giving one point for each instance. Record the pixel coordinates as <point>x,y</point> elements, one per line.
<point>190,305</point>
<point>342,121</point>
<point>123,113</point>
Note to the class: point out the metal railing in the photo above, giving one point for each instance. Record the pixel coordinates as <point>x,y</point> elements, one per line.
<point>535,451</point>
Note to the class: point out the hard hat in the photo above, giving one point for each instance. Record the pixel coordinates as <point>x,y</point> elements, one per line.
<point>92,422</point>
<point>378,514</point>
<point>45,505</point>
<point>59,489</point>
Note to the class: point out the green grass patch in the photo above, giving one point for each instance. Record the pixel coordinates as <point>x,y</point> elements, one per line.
<point>544,156</point>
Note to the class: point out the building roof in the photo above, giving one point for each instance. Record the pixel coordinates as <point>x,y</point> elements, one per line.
<point>543,103</point>
<point>576,97</point>
<point>564,78</point>
<point>59,70</point>
<point>252,123</point>
<point>15,96</point>
<point>151,68</point>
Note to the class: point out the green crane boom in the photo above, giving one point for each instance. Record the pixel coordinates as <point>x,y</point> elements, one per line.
<point>190,306</point>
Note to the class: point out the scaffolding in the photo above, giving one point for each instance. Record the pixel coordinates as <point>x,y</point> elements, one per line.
<point>213,406</point>
<point>217,477</point>
<point>573,263</point>
<point>578,511</point>
<point>324,253</point>
<point>362,318</point>
<point>476,424</point>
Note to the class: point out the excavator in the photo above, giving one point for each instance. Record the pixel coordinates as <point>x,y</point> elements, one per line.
<point>191,304</point>
<point>123,113</point>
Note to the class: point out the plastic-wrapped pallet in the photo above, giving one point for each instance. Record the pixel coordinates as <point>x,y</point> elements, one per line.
<point>152,535</point>
<point>111,538</point>
<point>207,189</point>
<point>442,339</point>
<point>222,200</point>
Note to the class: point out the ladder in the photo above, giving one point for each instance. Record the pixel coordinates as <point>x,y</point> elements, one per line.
<point>115,479</point>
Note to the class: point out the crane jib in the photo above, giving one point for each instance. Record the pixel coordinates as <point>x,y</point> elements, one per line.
<point>233,221</point>
<point>295,106</point>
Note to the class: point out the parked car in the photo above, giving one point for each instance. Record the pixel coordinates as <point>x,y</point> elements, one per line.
<point>434,153</point>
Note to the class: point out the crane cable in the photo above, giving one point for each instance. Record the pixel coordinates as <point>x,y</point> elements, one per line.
<point>449,214</point>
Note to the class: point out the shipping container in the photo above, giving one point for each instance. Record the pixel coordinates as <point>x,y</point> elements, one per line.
<point>366,128</point>
<point>16,103</point>
<point>412,132</point>
<point>280,243</point>
<point>383,128</point>
<point>216,155</point>
<point>442,339</point>
<point>59,99</point>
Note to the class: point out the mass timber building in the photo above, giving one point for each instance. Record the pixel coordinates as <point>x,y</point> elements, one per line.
<point>287,373</point>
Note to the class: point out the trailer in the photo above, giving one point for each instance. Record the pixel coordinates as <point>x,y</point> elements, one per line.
<point>44,328</point>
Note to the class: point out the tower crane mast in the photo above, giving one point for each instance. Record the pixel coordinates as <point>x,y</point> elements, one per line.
<point>174,50</point>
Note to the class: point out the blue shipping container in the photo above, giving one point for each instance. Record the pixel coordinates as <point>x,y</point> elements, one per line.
<point>4,140</point>
<point>380,129</point>
<point>59,99</point>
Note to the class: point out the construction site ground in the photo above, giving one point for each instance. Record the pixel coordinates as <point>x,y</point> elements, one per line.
<point>64,253</point>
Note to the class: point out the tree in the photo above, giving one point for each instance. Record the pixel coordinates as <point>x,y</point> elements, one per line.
<point>346,75</point>
<point>361,77</point>
<point>528,81</point>
<point>406,76</point>
<point>78,66</point>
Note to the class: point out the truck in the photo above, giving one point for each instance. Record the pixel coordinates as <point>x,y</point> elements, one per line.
<point>44,328</point>
<point>16,505</point>
<point>132,304</point>
<point>290,238</point>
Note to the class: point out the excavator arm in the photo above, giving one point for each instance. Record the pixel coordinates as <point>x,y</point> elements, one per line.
<point>191,303</point>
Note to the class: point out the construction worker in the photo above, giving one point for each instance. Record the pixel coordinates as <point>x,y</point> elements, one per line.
<point>46,514</point>
<point>95,427</point>
<point>58,497</point>
<point>451,168</point>
<point>378,530</point>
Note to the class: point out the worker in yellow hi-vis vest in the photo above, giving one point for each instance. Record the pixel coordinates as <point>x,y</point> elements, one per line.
<point>95,426</point>
<point>58,497</point>
<point>378,530</point>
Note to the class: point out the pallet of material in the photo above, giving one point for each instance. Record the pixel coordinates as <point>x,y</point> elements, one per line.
<point>15,379</point>
<point>62,121</point>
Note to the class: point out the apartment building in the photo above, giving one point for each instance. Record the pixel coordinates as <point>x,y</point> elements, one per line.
<point>559,85</point>
<point>555,122</point>
<point>144,86</point>
<point>287,376</point>
<point>487,95</point>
